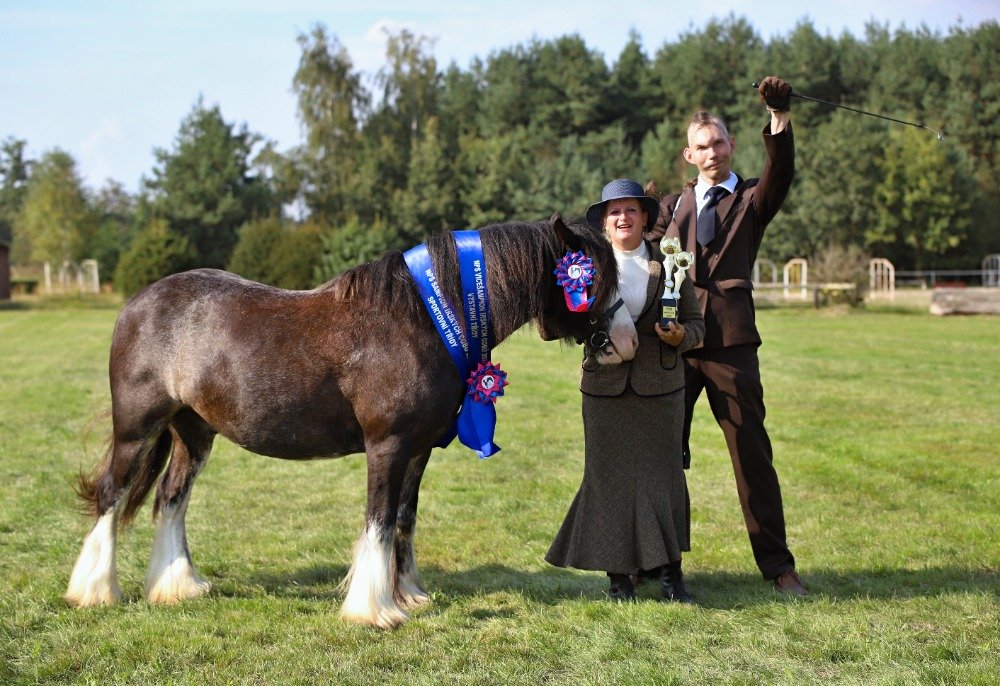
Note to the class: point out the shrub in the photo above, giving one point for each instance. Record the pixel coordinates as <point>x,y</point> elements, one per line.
<point>841,264</point>
<point>354,243</point>
<point>278,254</point>
<point>156,252</point>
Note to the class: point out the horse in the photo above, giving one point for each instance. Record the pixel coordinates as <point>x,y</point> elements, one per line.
<point>354,365</point>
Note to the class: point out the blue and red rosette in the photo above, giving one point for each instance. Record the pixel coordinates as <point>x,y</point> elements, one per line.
<point>574,272</point>
<point>486,382</point>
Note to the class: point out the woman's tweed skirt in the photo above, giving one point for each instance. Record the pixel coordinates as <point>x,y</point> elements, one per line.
<point>632,511</point>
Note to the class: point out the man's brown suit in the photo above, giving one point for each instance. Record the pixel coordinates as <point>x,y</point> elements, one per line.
<point>726,364</point>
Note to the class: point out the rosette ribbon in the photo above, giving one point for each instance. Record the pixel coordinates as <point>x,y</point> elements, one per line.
<point>487,382</point>
<point>477,419</point>
<point>574,272</point>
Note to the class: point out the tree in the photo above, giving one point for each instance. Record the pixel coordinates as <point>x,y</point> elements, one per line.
<point>430,202</point>
<point>15,170</point>
<point>353,243</point>
<point>832,199</point>
<point>507,92</point>
<point>459,104</point>
<point>410,83</point>
<point>55,218</point>
<point>568,94</point>
<point>712,69</point>
<point>331,106</point>
<point>569,181</point>
<point>492,170</point>
<point>204,187</point>
<point>661,154</point>
<point>156,252</point>
<point>635,99</point>
<point>922,200</point>
<point>115,214</point>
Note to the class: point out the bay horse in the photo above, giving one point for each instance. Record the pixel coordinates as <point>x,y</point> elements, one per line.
<point>354,365</point>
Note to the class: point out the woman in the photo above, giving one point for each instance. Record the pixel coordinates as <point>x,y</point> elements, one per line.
<point>631,514</point>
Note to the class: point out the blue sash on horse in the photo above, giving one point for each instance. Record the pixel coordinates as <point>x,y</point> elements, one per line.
<point>476,421</point>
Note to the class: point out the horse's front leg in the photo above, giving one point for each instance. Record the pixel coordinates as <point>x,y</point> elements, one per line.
<point>410,591</point>
<point>371,581</point>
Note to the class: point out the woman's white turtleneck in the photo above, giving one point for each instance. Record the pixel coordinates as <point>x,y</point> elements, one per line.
<point>633,278</point>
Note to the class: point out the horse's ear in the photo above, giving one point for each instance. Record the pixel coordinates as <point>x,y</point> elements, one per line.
<point>569,239</point>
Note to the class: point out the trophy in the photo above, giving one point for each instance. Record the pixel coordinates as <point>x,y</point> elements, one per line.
<point>676,262</point>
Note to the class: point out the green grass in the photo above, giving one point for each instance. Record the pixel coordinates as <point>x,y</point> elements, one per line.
<point>885,429</point>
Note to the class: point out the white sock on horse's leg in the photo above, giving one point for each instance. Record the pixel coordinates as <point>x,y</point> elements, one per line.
<point>94,580</point>
<point>369,598</point>
<point>171,576</point>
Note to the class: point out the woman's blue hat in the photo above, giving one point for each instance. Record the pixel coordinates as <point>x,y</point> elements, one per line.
<point>616,190</point>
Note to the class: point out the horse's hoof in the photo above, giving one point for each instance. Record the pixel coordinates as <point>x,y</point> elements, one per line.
<point>386,618</point>
<point>93,596</point>
<point>413,600</point>
<point>170,590</point>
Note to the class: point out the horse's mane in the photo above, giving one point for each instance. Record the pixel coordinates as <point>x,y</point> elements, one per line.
<point>516,253</point>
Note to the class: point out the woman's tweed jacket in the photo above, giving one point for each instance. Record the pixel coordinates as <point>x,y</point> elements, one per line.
<point>631,512</point>
<point>657,367</point>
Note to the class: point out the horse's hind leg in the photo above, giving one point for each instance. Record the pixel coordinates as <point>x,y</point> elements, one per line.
<point>171,576</point>
<point>410,591</point>
<point>370,597</point>
<point>114,493</point>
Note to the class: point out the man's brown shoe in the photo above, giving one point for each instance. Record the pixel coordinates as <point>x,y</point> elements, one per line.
<point>790,584</point>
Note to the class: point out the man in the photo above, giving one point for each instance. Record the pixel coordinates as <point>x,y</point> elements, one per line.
<point>720,218</point>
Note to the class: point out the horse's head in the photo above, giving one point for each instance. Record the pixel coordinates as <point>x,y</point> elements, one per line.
<point>600,319</point>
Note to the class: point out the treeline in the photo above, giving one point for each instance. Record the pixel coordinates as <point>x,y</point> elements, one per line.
<point>537,128</point>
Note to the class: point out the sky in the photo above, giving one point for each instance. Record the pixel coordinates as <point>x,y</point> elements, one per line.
<point>110,81</point>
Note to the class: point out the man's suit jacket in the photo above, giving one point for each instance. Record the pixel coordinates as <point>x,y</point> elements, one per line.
<point>655,370</point>
<point>722,269</point>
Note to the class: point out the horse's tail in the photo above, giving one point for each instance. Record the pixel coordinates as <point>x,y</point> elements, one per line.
<point>86,484</point>
<point>96,489</point>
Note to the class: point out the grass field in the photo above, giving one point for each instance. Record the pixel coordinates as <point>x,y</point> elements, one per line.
<point>885,428</point>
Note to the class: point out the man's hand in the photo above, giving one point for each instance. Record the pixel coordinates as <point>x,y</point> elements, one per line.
<point>674,334</point>
<point>776,93</point>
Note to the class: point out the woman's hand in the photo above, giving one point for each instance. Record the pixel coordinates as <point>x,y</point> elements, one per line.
<point>673,335</point>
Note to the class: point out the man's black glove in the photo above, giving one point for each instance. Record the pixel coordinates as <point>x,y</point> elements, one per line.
<point>776,93</point>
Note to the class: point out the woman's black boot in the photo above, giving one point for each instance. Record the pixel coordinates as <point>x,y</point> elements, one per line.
<point>621,590</point>
<point>672,584</point>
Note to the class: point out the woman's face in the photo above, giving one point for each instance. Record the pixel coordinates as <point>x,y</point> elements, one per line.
<point>624,221</point>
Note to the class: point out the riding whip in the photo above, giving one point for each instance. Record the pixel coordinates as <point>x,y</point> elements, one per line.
<point>854,109</point>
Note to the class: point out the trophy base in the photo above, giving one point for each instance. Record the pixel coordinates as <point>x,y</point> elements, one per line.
<point>668,311</point>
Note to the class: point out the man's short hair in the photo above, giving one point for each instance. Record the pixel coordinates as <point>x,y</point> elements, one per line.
<point>700,119</point>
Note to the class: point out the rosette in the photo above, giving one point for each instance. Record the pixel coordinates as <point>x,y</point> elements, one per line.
<point>487,382</point>
<point>574,272</point>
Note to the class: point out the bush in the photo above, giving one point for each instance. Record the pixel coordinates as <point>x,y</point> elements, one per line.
<point>354,243</point>
<point>156,252</point>
<point>278,254</point>
<point>841,264</point>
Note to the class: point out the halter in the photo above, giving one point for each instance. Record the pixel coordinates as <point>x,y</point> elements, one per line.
<point>599,339</point>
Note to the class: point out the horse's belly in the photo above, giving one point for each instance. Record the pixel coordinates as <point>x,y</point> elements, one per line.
<point>294,435</point>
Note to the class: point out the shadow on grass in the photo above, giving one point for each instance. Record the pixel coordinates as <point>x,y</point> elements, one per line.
<point>715,590</point>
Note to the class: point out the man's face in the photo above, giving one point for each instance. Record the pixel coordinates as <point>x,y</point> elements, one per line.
<point>711,150</point>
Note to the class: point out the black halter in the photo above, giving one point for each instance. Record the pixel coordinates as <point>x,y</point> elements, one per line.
<point>598,338</point>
